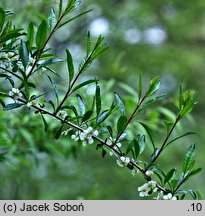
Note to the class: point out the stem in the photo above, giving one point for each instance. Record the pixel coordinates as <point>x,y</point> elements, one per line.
<point>45,44</point>
<point>164,142</point>
<point>130,118</point>
<point>179,185</point>
<point>73,83</point>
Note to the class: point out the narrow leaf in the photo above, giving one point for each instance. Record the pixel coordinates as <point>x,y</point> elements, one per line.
<point>52,20</point>
<point>154,154</point>
<point>140,87</point>
<point>12,106</point>
<point>59,132</point>
<point>121,124</point>
<point>153,86</point>
<point>87,115</point>
<point>88,45</point>
<point>179,137</point>
<point>103,153</point>
<point>84,84</point>
<point>30,36</point>
<point>2,18</point>
<point>102,116</point>
<point>24,54</point>
<point>81,104</point>
<point>70,66</point>
<point>170,175</point>
<point>54,87</point>
<point>120,104</point>
<point>194,172</point>
<point>136,148</point>
<point>189,158</point>
<point>98,100</point>
<point>41,35</point>
<point>147,129</point>
<point>60,8</point>
<point>45,123</point>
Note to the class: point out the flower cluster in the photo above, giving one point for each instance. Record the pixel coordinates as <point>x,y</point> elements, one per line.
<point>123,161</point>
<point>86,136</point>
<point>147,188</point>
<point>62,114</point>
<point>15,94</point>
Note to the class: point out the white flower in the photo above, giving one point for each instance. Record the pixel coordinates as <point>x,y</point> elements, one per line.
<point>87,135</point>
<point>123,161</point>
<point>62,114</point>
<point>32,103</point>
<point>149,172</point>
<point>151,185</point>
<point>90,131</point>
<point>144,190</point>
<point>169,196</point>
<point>15,93</point>
<point>75,136</point>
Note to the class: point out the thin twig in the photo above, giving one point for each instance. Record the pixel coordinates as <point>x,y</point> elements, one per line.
<point>111,147</point>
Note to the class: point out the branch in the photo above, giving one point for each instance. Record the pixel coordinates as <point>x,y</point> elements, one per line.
<point>111,147</point>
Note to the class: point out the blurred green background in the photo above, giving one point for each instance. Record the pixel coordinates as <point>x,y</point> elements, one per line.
<point>161,37</point>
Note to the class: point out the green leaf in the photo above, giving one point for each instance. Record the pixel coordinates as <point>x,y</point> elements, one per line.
<point>120,104</point>
<point>199,196</point>
<point>98,100</point>
<point>103,152</point>
<point>49,62</point>
<point>194,172</point>
<point>153,86</point>
<point>52,20</point>
<point>141,141</point>
<point>30,36</point>
<point>81,104</point>
<point>88,44</point>
<point>54,87</point>
<point>45,123</point>
<point>41,35</point>
<point>170,175</point>
<point>179,137</point>
<point>109,130</point>
<point>15,33</point>
<point>103,116</point>
<point>84,84</point>
<point>193,194</point>
<point>121,124</point>
<point>136,148</point>
<point>24,54</point>
<point>189,159</point>
<point>2,18</point>
<point>12,106</point>
<point>154,154</point>
<point>70,66</point>
<point>140,87</point>
<point>59,132</point>
<point>60,7</point>
<point>187,101</point>
<point>87,115</point>
<point>147,129</point>
<point>174,183</point>
<point>73,18</point>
